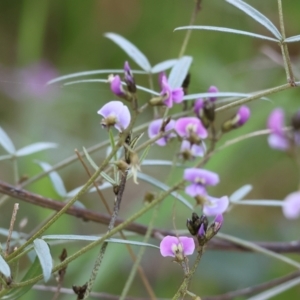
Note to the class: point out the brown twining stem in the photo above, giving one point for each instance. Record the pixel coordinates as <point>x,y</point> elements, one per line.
<point>11,227</point>
<point>89,215</point>
<point>131,253</point>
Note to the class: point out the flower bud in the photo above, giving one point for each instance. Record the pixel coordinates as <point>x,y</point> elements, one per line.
<point>238,120</point>
<point>213,89</point>
<point>129,79</point>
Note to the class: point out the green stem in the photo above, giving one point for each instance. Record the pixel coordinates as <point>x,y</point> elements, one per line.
<point>284,49</point>
<point>16,170</point>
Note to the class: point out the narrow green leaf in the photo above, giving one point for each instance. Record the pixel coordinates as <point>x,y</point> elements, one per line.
<point>4,267</point>
<point>163,187</point>
<point>292,39</point>
<point>131,50</point>
<point>89,73</point>
<point>260,202</point>
<point>240,193</point>
<point>160,162</point>
<point>56,180</point>
<point>164,65</point>
<point>36,147</point>
<point>219,95</point>
<point>108,178</point>
<point>144,154</point>
<point>179,71</point>
<point>34,270</point>
<point>230,30</point>
<point>90,160</point>
<point>4,157</point>
<point>43,252</point>
<point>257,16</point>
<point>276,290</point>
<point>6,142</point>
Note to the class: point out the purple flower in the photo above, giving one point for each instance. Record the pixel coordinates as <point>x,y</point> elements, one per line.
<point>116,85</point>
<point>213,89</point>
<point>129,79</point>
<point>189,127</point>
<point>116,114</point>
<point>215,206</point>
<point>242,116</point>
<point>198,107</point>
<point>170,95</point>
<point>202,230</point>
<point>154,129</point>
<point>200,178</point>
<point>177,246</point>
<point>277,139</point>
<point>161,76</point>
<point>189,151</point>
<point>218,222</point>
<point>291,205</point>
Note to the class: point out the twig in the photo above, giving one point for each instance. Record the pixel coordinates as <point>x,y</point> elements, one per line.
<point>11,227</point>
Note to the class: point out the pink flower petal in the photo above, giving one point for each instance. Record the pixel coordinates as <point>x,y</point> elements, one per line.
<point>291,206</point>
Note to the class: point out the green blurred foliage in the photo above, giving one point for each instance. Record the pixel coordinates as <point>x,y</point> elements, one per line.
<point>69,35</point>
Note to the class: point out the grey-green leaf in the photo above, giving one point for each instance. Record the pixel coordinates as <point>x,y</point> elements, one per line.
<point>6,142</point>
<point>276,290</point>
<point>179,71</point>
<point>90,160</point>
<point>230,30</point>
<point>4,267</point>
<point>164,65</point>
<point>43,252</point>
<point>257,16</point>
<point>239,194</point>
<point>36,147</point>
<point>56,180</point>
<point>218,95</point>
<point>131,50</point>
<point>292,39</point>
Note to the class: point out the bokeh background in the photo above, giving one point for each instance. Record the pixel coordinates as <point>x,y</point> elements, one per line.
<point>41,40</point>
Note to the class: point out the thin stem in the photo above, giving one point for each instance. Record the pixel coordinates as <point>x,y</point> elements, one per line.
<point>284,49</point>
<point>189,32</point>
<point>11,227</point>
<point>15,169</point>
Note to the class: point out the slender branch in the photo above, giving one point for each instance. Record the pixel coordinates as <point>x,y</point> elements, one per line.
<point>11,227</point>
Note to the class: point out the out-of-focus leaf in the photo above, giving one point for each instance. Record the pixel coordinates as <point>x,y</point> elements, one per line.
<point>43,252</point>
<point>219,95</point>
<point>291,39</point>
<point>240,193</point>
<point>179,71</point>
<point>34,270</point>
<point>260,202</point>
<point>89,73</point>
<point>75,191</point>
<point>6,142</point>
<point>4,157</point>
<point>36,147</point>
<point>90,160</point>
<point>4,267</point>
<point>164,65</point>
<point>108,178</point>
<point>131,50</point>
<point>56,180</point>
<point>257,16</point>
<point>163,187</point>
<point>89,238</point>
<point>230,30</point>
<point>276,290</point>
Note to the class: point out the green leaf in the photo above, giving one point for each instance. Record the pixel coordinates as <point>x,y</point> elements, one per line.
<point>276,290</point>
<point>43,252</point>
<point>6,142</point>
<point>179,71</point>
<point>219,95</point>
<point>230,30</point>
<point>164,65</point>
<point>89,73</point>
<point>163,187</point>
<point>257,16</point>
<point>56,180</point>
<point>4,157</point>
<point>34,270</point>
<point>90,160</point>
<point>36,147</point>
<point>292,39</point>
<point>4,267</point>
<point>240,193</point>
<point>131,50</point>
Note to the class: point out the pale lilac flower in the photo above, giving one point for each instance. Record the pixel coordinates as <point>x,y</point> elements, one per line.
<point>154,128</point>
<point>116,85</point>
<point>213,89</point>
<point>198,107</point>
<point>190,126</point>
<point>190,151</point>
<point>170,95</point>
<point>218,222</point>
<point>215,206</point>
<point>177,246</point>
<point>116,114</point>
<point>291,205</point>
<point>277,139</point>
<point>200,178</point>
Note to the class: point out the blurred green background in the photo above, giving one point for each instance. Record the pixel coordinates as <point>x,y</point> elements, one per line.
<point>44,39</point>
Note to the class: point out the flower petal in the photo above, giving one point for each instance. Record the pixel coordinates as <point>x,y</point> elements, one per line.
<point>188,245</point>
<point>194,190</point>
<point>216,206</point>
<point>291,206</point>
<point>278,142</point>
<point>196,175</point>
<point>276,121</point>
<point>166,245</point>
